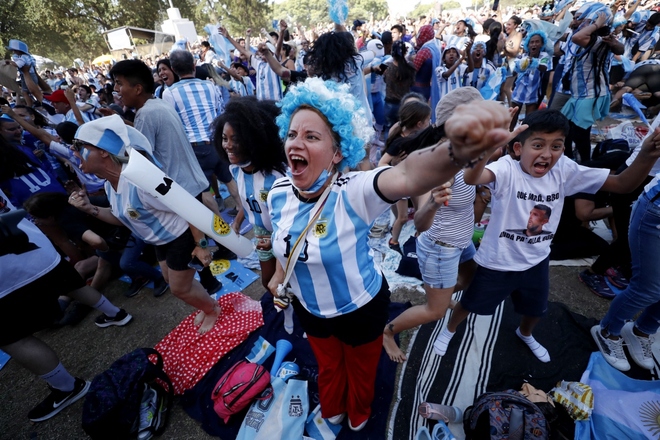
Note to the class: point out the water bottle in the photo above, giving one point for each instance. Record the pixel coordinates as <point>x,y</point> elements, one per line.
<point>445,413</point>
<point>478,233</point>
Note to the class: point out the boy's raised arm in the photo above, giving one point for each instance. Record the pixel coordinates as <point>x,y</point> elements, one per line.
<point>634,175</point>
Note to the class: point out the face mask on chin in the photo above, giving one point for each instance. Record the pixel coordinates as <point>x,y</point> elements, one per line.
<point>318,183</point>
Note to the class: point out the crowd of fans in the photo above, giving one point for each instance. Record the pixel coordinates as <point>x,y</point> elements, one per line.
<point>333,126</point>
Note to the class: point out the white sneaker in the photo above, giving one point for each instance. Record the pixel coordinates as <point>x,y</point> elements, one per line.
<point>639,347</point>
<point>611,350</point>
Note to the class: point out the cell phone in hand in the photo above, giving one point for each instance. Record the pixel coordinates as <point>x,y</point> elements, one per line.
<point>382,68</point>
<point>196,264</point>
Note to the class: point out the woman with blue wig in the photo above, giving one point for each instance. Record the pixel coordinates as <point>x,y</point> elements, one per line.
<point>321,215</point>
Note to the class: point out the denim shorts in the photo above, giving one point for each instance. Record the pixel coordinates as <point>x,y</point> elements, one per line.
<point>439,263</point>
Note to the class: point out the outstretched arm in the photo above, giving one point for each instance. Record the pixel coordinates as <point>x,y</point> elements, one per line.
<point>473,130</point>
<point>244,50</point>
<point>35,131</point>
<point>634,175</point>
<point>279,69</point>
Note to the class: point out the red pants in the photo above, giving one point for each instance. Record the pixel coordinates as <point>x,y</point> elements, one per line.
<point>347,376</point>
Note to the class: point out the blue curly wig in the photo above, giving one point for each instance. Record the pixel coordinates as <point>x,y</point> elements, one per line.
<point>529,36</point>
<point>344,113</point>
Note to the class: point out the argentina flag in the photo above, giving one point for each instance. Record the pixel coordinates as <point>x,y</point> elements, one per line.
<point>261,350</point>
<point>624,408</point>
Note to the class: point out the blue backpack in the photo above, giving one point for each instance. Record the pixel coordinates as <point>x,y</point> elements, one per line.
<point>112,406</point>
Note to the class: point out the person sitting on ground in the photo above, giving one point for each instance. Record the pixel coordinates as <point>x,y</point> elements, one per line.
<point>516,264</point>
<point>32,277</point>
<point>150,220</point>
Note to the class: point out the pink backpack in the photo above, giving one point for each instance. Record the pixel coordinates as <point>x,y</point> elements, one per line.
<point>238,387</point>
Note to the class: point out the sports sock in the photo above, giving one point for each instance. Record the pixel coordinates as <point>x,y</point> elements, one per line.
<point>60,378</point>
<point>539,351</point>
<point>442,342</point>
<point>105,306</point>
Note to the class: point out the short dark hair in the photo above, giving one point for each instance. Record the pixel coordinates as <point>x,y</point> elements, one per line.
<point>386,37</point>
<point>206,44</point>
<point>398,27</point>
<point>66,131</point>
<point>545,208</point>
<point>182,62</point>
<point>544,121</point>
<point>135,72</point>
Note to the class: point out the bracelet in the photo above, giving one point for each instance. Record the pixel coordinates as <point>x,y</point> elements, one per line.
<point>468,164</point>
<point>95,211</point>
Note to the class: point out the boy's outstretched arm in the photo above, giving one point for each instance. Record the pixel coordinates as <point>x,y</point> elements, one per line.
<point>634,175</point>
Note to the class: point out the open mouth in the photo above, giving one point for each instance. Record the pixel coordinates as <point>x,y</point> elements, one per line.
<point>298,164</point>
<point>541,167</point>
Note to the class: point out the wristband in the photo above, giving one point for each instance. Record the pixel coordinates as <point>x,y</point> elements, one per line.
<point>468,164</point>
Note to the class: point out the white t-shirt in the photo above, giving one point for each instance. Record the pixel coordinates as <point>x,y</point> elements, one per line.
<point>18,270</point>
<point>505,245</point>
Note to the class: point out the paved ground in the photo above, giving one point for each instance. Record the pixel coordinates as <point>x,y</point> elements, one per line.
<point>87,350</point>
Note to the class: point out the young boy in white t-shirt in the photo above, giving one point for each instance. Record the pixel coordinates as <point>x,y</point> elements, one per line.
<point>527,199</point>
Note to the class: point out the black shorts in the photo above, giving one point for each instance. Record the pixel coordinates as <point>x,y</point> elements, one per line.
<point>178,252</point>
<point>355,328</point>
<point>529,290</point>
<point>34,306</point>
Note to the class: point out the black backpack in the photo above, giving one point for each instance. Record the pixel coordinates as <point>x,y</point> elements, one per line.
<point>112,406</point>
<point>506,415</point>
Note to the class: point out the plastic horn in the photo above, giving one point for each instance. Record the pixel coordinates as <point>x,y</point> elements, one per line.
<point>151,179</point>
<point>282,348</point>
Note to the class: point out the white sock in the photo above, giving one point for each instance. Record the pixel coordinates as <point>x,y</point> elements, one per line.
<point>442,342</point>
<point>539,351</point>
<point>60,379</point>
<point>105,306</point>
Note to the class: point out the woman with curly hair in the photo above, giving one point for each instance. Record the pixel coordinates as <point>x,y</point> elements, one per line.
<point>246,135</point>
<point>334,56</point>
<point>321,216</point>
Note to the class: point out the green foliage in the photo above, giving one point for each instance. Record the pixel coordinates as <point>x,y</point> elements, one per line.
<point>451,4</point>
<point>67,29</point>
<point>239,15</point>
<point>308,13</point>
<point>421,9</point>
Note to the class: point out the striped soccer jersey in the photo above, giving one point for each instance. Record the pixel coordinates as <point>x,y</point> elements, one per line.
<point>335,273</point>
<point>254,188</point>
<point>269,86</point>
<point>198,103</point>
<point>143,214</point>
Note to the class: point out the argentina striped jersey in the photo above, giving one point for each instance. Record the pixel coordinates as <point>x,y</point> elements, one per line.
<point>143,214</point>
<point>335,273</point>
<point>254,188</point>
<point>269,85</point>
<point>198,103</point>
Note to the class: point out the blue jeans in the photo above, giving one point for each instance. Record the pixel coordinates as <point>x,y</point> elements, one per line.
<point>378,108</point>
<point>129,260</point>
<point>643,292</point>
<point>391,116</point>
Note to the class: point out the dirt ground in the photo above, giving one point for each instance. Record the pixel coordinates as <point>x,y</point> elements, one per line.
<point>86,350</point>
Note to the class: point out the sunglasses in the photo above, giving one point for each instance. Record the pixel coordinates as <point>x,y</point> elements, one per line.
<point>78,145</point>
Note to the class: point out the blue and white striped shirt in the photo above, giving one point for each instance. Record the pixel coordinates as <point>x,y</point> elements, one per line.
<point>243,88</point>
<point>335,273</point>
<point>143,214</point>
<point>452,82</point>
<point>198,103</point>
<point>254,188</point>
<point>269,86</point>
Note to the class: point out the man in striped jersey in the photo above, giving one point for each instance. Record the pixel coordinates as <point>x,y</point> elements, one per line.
<point>198,103</point>
<point>268,83</point>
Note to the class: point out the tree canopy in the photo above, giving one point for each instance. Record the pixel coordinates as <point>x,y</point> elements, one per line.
<point>67,29</point>
<point>310,12</point>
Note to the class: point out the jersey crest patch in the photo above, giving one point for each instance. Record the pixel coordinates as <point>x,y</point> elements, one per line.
<point>321,228</point>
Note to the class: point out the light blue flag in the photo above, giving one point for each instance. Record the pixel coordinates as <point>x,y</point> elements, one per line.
<point>319,428</point>
<point>632,102</point>
<point>491,88</point>
<point>261,350</point>
<point>624,408</point>
<point>338,10</point>
<point>223,48</point>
